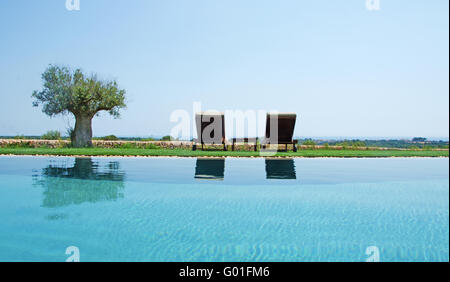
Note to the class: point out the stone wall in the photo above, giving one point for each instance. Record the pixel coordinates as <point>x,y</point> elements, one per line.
<point>159,144</point>
<point>96,143</point>
<point>34,143</point>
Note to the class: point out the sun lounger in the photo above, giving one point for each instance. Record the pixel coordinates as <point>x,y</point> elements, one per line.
<point>210,129</point>
<point>280,130</point>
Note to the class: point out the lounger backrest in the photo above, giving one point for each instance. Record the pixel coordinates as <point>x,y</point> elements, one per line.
<point>286,125</point>
<point>210,128</point>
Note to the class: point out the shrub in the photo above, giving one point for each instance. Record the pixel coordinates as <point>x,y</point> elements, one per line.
<point>71,133</point>
<point>419,139</point>
<point>63,144</point>
<point>309,143</point>
<point>128,146</point>
<point>150,146</point>
<point>137,146</point>
<point>51,135</point>
<point>19,137</point>
<point>359,144</point>
<point>25,144</point>
<point>167,138</point>
<point>110,138</point>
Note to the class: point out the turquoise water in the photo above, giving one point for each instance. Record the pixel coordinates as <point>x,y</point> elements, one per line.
<point>158,209</point>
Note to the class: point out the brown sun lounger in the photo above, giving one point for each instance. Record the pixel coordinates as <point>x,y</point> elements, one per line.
<point>286,124</point>
<point>210,129</point>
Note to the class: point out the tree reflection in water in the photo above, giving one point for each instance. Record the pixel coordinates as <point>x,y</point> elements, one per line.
<point>85,181</point>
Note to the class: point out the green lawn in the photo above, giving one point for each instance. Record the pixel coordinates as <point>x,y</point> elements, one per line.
<point>199,153</point>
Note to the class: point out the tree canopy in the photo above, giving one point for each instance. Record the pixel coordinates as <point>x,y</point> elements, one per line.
<point>66,91</point>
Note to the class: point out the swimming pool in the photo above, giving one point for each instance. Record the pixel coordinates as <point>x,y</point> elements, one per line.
<point>186,209</point>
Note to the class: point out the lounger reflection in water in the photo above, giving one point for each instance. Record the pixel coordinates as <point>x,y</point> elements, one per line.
<point>212,169</point>
<point>280,169</point>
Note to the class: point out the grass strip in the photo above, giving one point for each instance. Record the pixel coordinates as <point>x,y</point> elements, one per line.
<point>199,153</point>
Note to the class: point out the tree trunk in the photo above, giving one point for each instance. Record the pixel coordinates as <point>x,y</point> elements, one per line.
<point>83,131</point>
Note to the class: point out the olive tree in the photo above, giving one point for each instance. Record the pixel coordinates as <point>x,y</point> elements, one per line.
<point>66,91</point>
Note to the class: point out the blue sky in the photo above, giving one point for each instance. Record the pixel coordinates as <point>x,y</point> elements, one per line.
<point>345,70</point>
